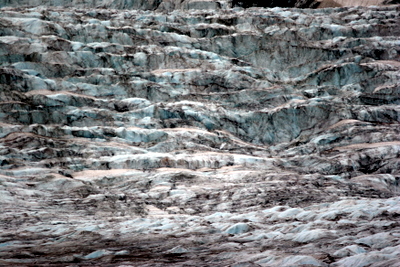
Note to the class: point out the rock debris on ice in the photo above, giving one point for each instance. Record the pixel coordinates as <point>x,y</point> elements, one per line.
<point>190,133</point>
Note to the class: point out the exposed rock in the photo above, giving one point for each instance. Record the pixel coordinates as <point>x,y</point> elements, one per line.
<point>202,136</point>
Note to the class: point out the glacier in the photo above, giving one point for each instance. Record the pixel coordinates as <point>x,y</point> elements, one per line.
<point>194,133</point>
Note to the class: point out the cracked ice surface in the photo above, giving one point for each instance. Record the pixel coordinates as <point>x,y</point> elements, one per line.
<point>230,137</point>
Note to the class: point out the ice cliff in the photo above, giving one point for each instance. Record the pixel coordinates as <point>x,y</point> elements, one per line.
<point>199,136</point>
